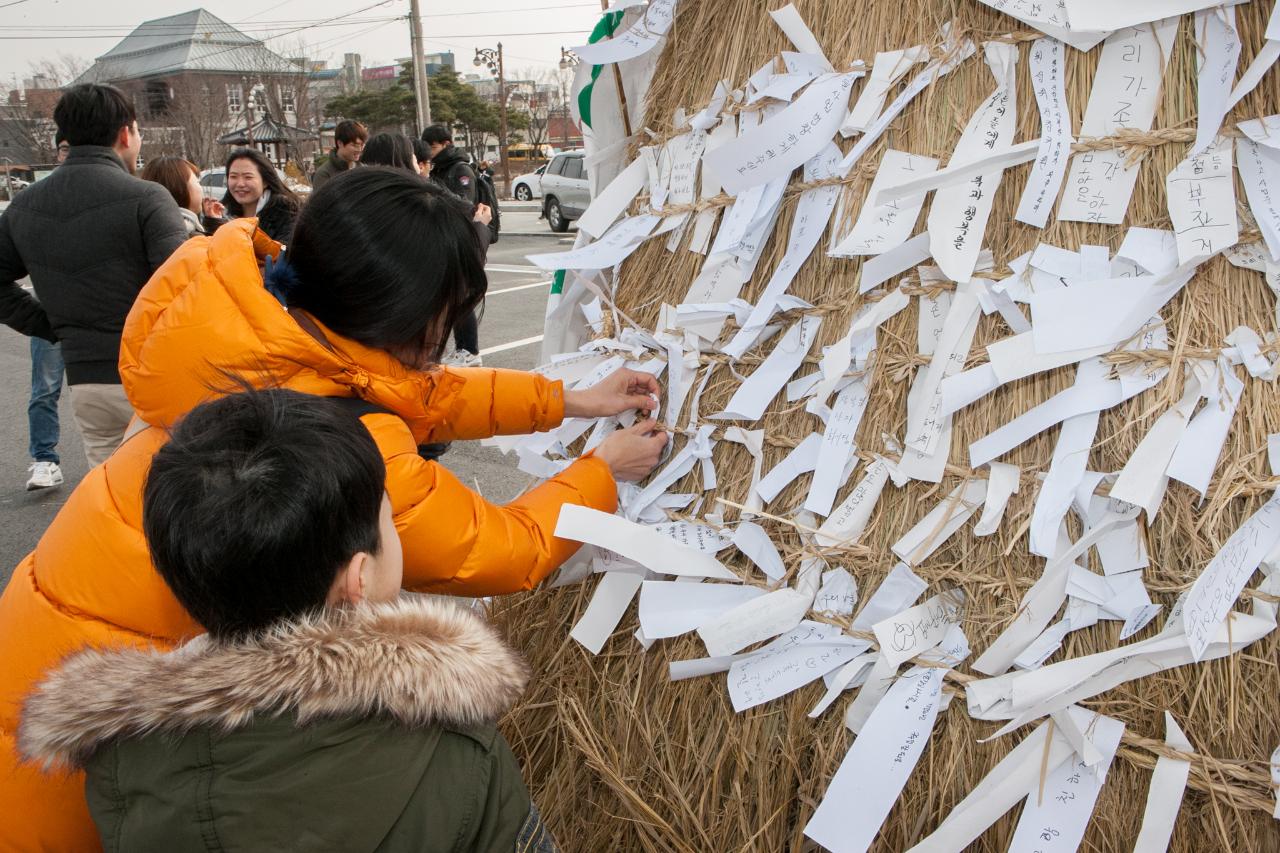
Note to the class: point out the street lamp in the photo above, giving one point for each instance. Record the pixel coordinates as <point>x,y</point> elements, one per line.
<point>492,59</point>
<point>568,59</point>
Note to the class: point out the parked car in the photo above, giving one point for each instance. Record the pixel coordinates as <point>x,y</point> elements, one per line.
<point>528,186</point>
<point>565,191</point>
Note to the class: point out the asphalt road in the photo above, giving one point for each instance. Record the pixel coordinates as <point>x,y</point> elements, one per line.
<point>510,336</point>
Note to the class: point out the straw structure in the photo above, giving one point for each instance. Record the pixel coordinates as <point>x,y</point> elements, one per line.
<point>620,758</point>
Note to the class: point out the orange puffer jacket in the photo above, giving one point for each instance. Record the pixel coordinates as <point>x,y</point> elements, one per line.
<point>203,316</point>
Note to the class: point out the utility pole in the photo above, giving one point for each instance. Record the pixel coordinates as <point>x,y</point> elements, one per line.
<point>421,95</point>
<point>493,59</point>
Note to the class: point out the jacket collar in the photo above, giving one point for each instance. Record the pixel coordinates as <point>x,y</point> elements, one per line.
<point>416,660</point>
<point>82,154</point>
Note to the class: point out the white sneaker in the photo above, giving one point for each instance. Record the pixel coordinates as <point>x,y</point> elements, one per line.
<point>44,475</point>
<point>462,358</point>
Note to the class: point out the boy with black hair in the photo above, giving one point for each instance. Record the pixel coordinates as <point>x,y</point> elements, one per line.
<point>349,138</point>
<point>89,235</point>
<point>320,712</point>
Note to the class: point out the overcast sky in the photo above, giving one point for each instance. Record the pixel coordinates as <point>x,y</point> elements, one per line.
<point>532,31</point>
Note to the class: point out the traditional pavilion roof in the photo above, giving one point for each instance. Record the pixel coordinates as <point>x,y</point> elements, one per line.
<point>191,41</point>
<point>265,129</point>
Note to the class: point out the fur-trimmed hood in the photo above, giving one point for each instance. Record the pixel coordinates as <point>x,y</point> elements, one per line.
<point>417,660</point>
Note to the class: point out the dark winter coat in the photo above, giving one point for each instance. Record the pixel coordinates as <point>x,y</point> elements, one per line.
<point>330,168</point>
<point>451,168</point>
<point>89,235</point>
<point>370,729</point>
<point>275,219</point>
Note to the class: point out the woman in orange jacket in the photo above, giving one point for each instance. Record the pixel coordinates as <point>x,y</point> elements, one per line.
<point>380,265</point>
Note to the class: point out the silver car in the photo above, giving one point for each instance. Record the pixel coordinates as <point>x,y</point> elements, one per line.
<point>565,191</point>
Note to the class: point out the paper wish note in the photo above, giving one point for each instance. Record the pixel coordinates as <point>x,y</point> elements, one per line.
<point>671,608</point>
<point>1048,81</point>
<point>948,516</point>
<point>887,69</point>
<point>787,140</point>
<point>636,542</point>
<point>1217,55</point>
<point>613,248</point>
<point>876,768</point>
<point>1050,19</point>
<point>844,526</point>
<point>881,227</point>
<point>610,601</point>
<point>1259,168</point>
<point>1125,91</point>
<point>640,38</point>
<point>918,629</point>
<point>754,395</point>
<point>1056,823</point>
<point>1201,193</point>
<point>1164,797</point>
<point>958,216</point>
<point>804,654</point>
<point>1222,581</point>
<point>837,595</point>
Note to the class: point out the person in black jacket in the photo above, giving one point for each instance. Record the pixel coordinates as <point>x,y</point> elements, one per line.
<point>255,189</point>
<point>89,236</point>
<point>450,168</point>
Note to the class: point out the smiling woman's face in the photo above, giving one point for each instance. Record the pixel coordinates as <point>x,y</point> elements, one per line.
<point>244,183</point>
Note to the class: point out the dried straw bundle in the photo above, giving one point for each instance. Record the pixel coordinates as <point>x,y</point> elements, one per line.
<point>621,759</point>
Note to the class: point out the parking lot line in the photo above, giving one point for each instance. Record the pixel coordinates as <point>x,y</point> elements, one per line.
<point>543,283</point>
<point>522,268</point>
<point>511,345</point>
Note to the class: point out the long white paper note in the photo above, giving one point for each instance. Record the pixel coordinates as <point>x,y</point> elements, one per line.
<point>807,652</point>
<point>958,217</point>
<point>613,248</point>
<point>882,759</point>
<point>671,608</point>
<point>916,630</point>
<point>950,514</point>
<point>643,36</point>
<point>1260,172</point>
<point>636,542</point>
<point>785,141</point>
<point>1202,202</point>
<point>846,523</point>
<point>1056,823</point>
<point>1164,798</point>
<point>1050,19</point>
<point>1125,91</point>
<point>1221,582</point>
<point>881,227</point>
<point>1048,81</point>
<point>1217,55</point>
<point>609,602</point>
<point>754,395</point>
<point>837,447</point>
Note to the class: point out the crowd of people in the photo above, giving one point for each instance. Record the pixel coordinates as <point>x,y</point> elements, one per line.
<point>210,648</point>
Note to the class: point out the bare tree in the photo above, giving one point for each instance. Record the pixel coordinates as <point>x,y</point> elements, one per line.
<point>61,69</point>
<point>198,115</point>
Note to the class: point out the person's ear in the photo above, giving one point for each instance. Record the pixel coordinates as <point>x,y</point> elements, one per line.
<point>349,586</point>
<point>122,137</point>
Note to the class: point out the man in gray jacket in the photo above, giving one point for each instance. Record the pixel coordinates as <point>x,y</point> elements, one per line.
<point>89,236</point>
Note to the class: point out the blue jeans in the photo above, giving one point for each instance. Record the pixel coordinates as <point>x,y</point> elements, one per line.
<point>42,411</point>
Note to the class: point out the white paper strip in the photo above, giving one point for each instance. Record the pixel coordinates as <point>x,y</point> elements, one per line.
<point>837,447</point>
<point>1164,797</point>
<point>751,539</point>
<point>790,22</point>
<point>671,608</point>
<point>643,36</point>
<point>1217,55</point>
<point>608,604</point>
<point>613,200</point>
<point>845,525</point>
<point>958,217</point>
<point>1056,824</point>
<point>958,173</point>
<point>611,249</point>
<point>800,460</point>
<point>888,68</point>
<point>1002,482</point>
<point>754,395</point>
<point>636,542</point>
<point>930,532</point>
<point>1048,81</point>
<point>1221,582</point>
<point>1201,192</point>
<point>1260,172</point>
<point>1103,14</point>
<point>785,141</point>
<point>918,629</point>
<point>1125,90</point>
<point>876,768</point>
<point>1050,19</point>
<point>882,226</point>
<point>803,654</point>
<point>1198,450</point>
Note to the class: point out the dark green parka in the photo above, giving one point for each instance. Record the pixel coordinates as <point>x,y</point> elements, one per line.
<point>370,729</point>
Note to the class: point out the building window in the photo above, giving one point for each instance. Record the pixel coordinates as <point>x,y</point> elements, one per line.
<point>259,95</point>
<point>286,99</point>
<point>235,97</point>
<point>157,98</point>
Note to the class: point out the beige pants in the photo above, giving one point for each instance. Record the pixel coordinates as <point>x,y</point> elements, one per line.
<point>103,413</point>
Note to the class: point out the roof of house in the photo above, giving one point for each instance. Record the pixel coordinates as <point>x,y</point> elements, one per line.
<point>191,41</point>
<point>266,129</point>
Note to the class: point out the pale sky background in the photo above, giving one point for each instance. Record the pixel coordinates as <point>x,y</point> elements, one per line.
<point>531,31</point>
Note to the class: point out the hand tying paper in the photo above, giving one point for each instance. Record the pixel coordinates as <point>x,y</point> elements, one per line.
<point>620,391</point>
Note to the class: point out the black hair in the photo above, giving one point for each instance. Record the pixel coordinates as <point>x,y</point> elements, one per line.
<point>257,502</point>
<point>389,149</point>
<point>388,259</point>
<point>349,131</point>
<point>59,137</point>
<point>421,150</point>
<point>92,114</point>
<point>437,134</point>
<point>270,181</point>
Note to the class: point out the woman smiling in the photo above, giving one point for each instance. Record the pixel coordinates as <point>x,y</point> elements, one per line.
<point>254,189</point>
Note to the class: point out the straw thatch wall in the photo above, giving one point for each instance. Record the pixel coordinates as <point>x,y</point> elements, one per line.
<point>618,758</point>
